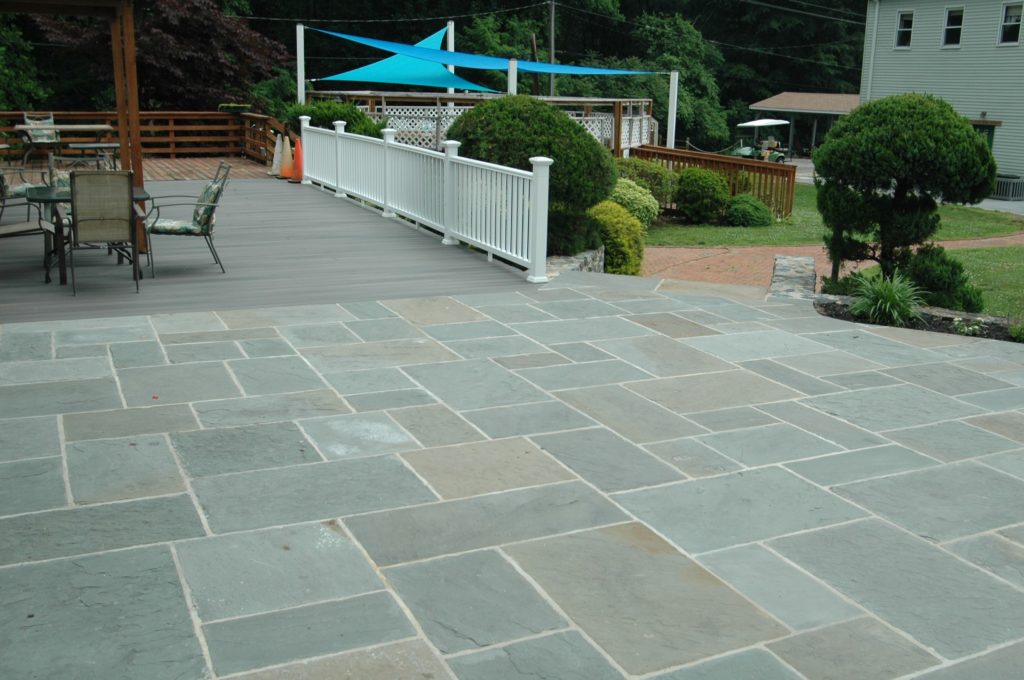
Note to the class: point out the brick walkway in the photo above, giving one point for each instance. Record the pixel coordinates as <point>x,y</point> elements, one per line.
<point>752,265</point>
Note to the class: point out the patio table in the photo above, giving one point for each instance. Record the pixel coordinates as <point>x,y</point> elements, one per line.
<point>98,128</point>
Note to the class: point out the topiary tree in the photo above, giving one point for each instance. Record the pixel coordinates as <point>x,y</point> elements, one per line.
<point>637,200</point>
<point>509,130</point>
<point>702,196</point>
<point>623,236</point>
<point>883,168</point>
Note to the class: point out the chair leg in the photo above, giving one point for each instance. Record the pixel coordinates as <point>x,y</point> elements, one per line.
<point>149,256</point>
<point>135,263</point>
<point>71,263</point>
<point>216,257</point>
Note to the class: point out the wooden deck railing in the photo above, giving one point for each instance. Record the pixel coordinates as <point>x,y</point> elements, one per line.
<point>773,183</point>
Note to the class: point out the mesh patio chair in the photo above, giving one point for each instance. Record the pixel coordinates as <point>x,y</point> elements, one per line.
<point>102,213</point>
<point>13,185</point>
<point>203,216</point>
<point>39,138</point>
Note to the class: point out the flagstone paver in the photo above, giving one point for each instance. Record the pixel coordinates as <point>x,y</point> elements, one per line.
<point>600,478</point>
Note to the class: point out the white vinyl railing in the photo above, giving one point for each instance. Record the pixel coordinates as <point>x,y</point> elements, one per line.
<point>502,211</point>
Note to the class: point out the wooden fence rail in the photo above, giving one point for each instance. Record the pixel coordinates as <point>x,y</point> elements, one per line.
<point>773,183</point>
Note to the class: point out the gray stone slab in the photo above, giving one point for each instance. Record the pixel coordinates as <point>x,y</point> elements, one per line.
<point>78,351</point>
<point>314,335</point>
<point>995,554</point>
<point>1014,533</point>
<point>824,426</point>
<point>566,656</point>
<point>580,352</point>
<point>270,408</point>
<point>357,435</point>
<point>856,650</point>
<point>275,374</point>
<point>731,418</point>
<point>737,327</point>
<point>536,360</point>
<point>1011,462</point>
<point>677,613</point>
<point>1009,425</point>
<point>367,355</point>
<point>315,630</point>
<point>856,465</point>
<point>737,312</point>
<point>606,460</point>
<point>632,416</point>
<point>479,300</point>
<point>877,349</point>
<point>250,500</point>
<point>693,458</point>
<point>476,383</point>
<point>483,348</point>
<point>378,401</point>
<point>708,514</point>
<point>752,664</point>
<point>435,425</point>
<point>524,419</point>
<point>408,660</point>
<point>427,311</point>
<point>550,292</point>
<point>273,569</point>
<point>656,305</point>
<point>952,441</point>
<point>948,379</point>
<point>887,408</point>
<point>176,384</point>
<point>1002,664</point>
<point>54,370</point>
<point>943,502</point>
<point>92,336</point>
<point>756,345</point>
<point>1001,400</point>
<point>578,309</point>
<point>183,322</point>
<point>779,588</point>
<point>671,325</point>
<point>367,310</point>
<point>485,467</point>
<point>374,330</point>
<point>397,536</point>
<point>200,351</point>
<point>859,381</point>
<point>372,380</point>
<point>663,357</point>
<point>237,449</point>
<point>31,485</point>
<point>60,533</point>
<point>97,618</point>
<point>810,324</point>
<point>829,363</point>
<point>941,602</point>
<point>28,438</point>
<point>128,422</point>
<point>219,336</point>
<point>472,601</point>
<point>581,330</point>
<point>768,444</point>
<point>26,346</point>
<point>106,470</point>
<point>284,316</point>
<point>71,396</point>
<point>713,391</point>
<point>583,375</point>
<point>916,338</point>
<point>789,377</point>
<point>265,347</point>
<point>515,313</point>
<point>468,331</point>
<point>135,354</point>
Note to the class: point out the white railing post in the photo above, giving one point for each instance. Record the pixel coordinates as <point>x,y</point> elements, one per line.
<point>339,130</point>
<point>389,139</point>
<point>539,220</point>
<point>451,150</point>
<point>303,124</point>
<point>513,76</point>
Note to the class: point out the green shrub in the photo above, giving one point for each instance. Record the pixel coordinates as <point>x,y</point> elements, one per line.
<point>509,130</point>
<point>942,280</point>
<point>651,175</point>
<point>273,95</point>
<point>847,285</point>
<point>1017,332</point>
<point>323,114</point>
<point>623,236</point>
<point>702,195</point>
<point>888,302</point>
<point>637,200</point>
<point>748,211</point>
<point>744,183</point>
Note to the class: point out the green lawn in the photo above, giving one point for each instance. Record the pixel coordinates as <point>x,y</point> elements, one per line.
<point>999,272</point>
<point>804,227</point>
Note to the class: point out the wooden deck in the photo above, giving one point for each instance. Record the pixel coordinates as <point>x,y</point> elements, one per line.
<point>282,244</point>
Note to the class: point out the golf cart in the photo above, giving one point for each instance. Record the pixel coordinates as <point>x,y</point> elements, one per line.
<point>768,149</point>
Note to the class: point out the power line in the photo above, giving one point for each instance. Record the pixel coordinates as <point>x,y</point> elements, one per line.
<point>826,7</point>
<point>396,21</point>
<point>801,11</point>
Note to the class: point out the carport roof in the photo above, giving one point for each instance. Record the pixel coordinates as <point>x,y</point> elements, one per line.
<point>809,102</point>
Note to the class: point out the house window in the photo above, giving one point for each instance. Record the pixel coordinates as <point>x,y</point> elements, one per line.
<point>904,27</point>
<point>1009,31</point>
<point>954,26</point>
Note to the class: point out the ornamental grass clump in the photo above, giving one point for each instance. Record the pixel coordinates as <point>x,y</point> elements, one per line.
<point>887,301</point>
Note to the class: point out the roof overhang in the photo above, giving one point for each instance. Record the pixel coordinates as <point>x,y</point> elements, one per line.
<point>822,103</point>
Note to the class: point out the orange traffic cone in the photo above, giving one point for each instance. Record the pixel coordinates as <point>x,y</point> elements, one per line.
<point>286,160</point>
<point>296,177</point>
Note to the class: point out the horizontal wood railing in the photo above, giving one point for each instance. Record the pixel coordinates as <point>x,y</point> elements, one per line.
<point>773,183</point>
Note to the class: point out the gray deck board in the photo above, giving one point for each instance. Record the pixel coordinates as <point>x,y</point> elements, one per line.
<point>282,244</point>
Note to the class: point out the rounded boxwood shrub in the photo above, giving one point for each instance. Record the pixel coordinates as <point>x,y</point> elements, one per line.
<point>623,236</point>
<point>702,195</point>
<point>509,130</point>
<point>942,280</point>
<point>748,211</point>
<point>637,200</point>
<point>323,114</point>
<point>651,175</point>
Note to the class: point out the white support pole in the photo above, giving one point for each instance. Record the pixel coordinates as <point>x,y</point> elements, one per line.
<point>339,130</point>
<point>451,150</point>
<point>673,102</point>
<point>539,220</point>
<point>513,76</point>
<point>303,124</point>
<point>300,63</point>
<point>450,39</point>
<point>389,139</point>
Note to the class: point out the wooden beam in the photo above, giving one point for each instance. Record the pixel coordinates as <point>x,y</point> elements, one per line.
<point>132,81</point>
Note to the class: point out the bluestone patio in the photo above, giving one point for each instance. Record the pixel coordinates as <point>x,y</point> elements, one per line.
<point>597,478</point>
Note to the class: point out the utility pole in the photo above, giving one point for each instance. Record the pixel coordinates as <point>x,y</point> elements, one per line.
<point>551,45</point>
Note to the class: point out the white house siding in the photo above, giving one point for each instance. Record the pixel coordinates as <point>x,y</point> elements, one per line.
<point>979,76</point>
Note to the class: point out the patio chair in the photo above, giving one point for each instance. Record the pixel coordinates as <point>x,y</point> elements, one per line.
<point>39,138</point>
<point>32,226</point>
<point>102,212</point>
<point>13,185</point>
<point>203,216</point>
